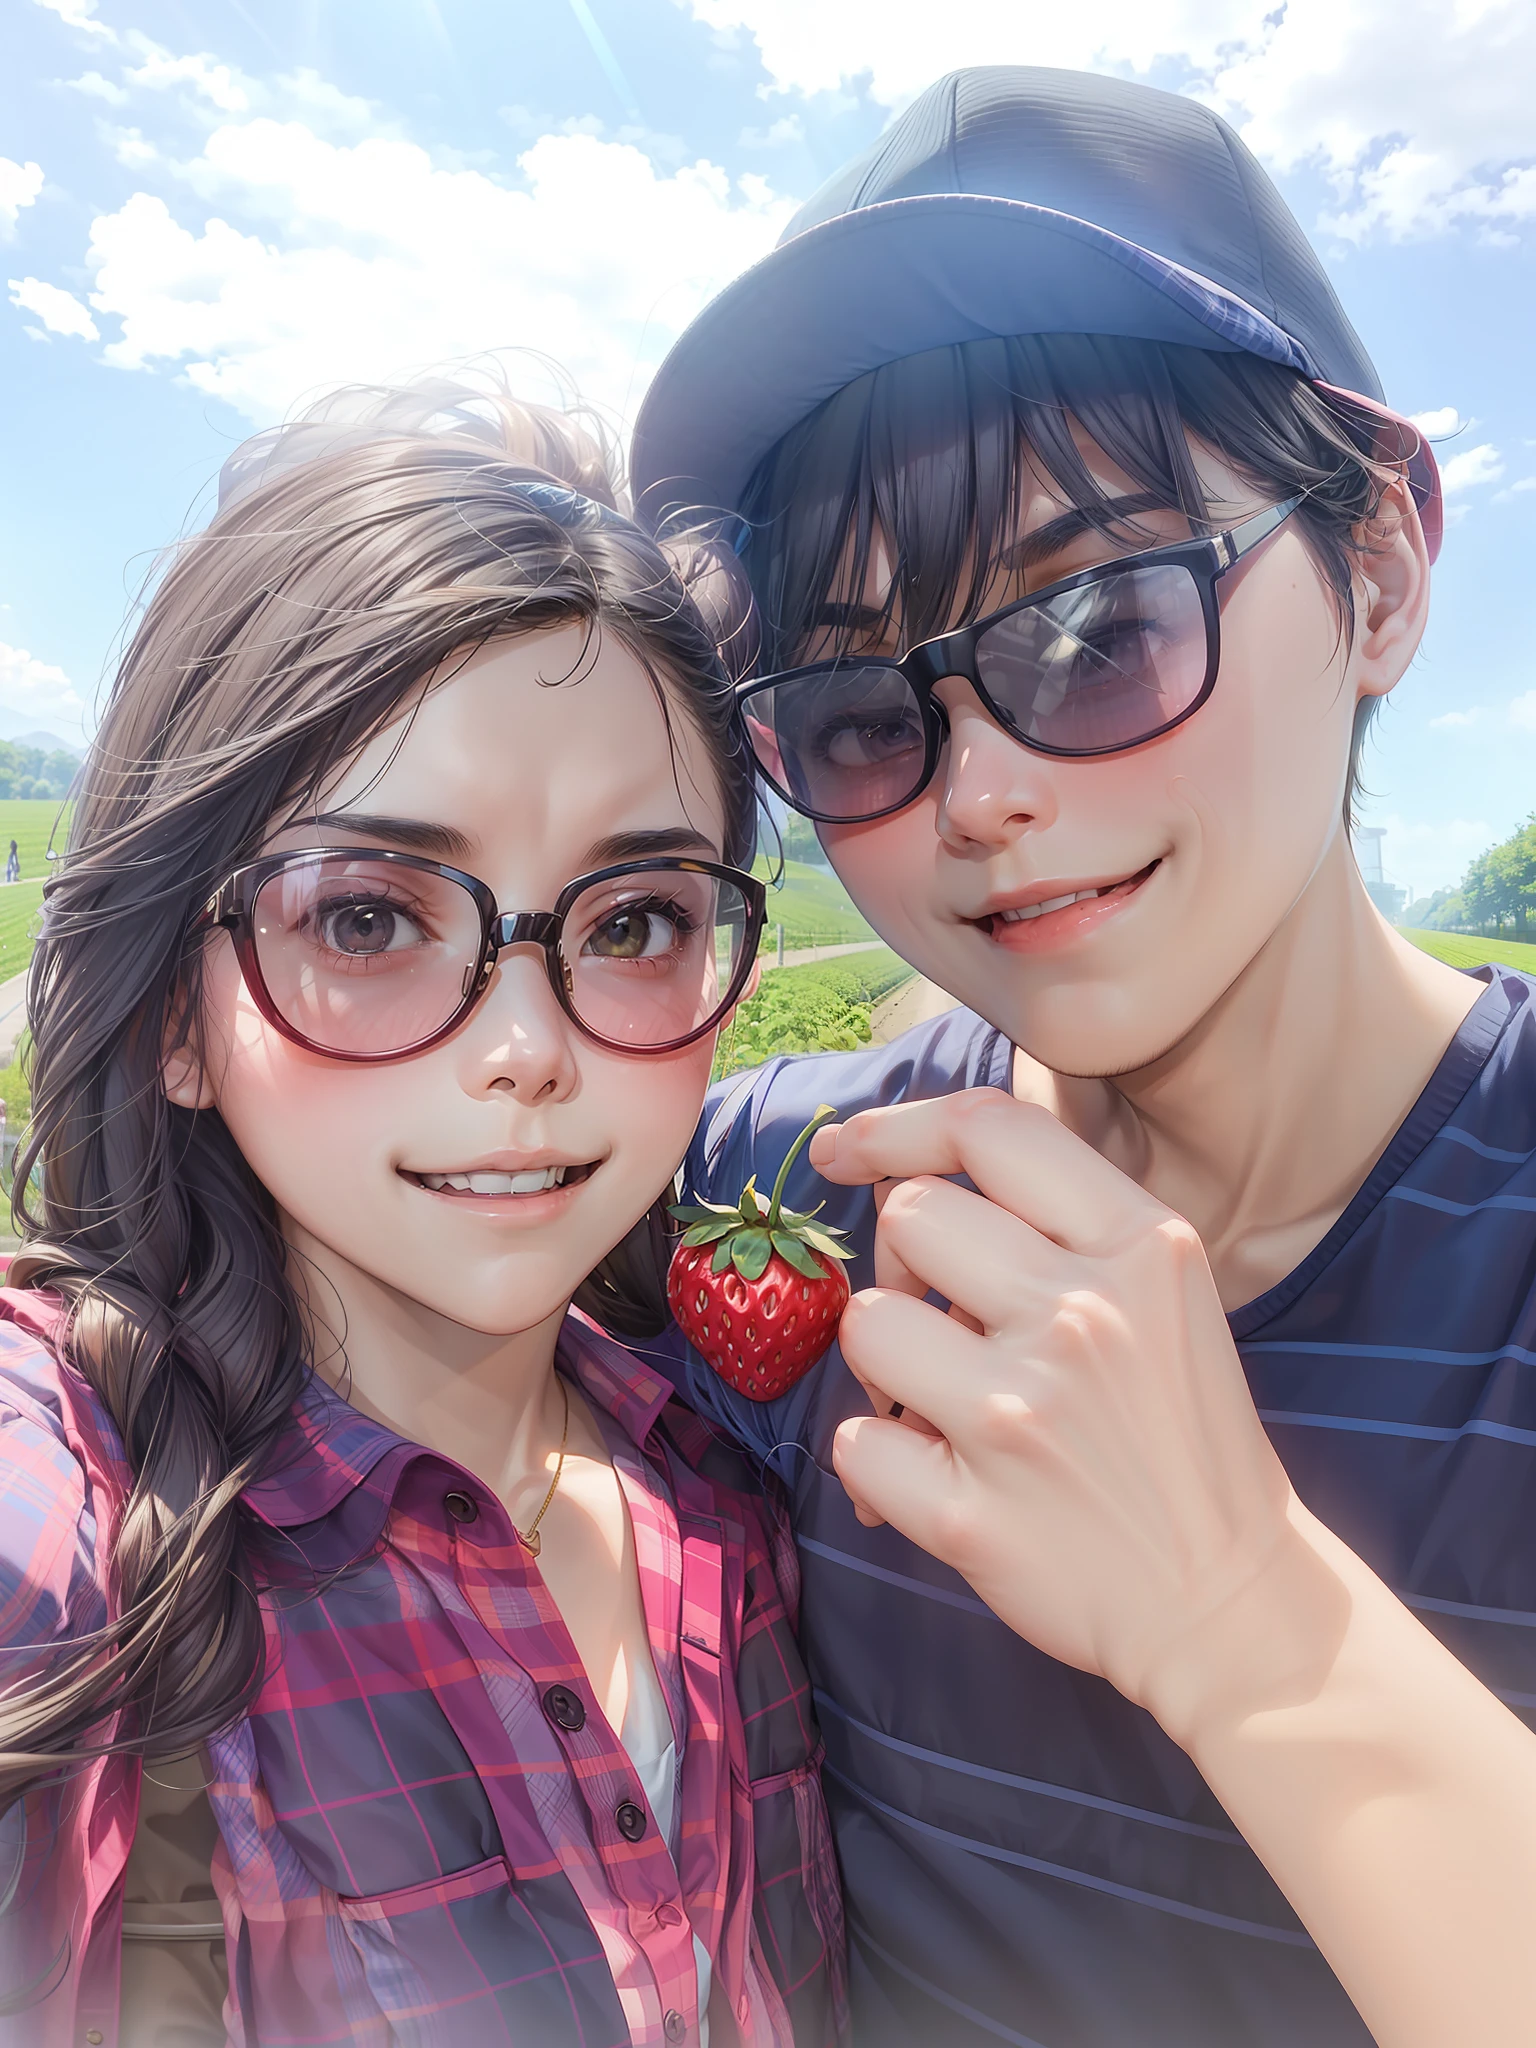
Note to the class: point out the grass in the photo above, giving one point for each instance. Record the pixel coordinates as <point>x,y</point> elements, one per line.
<point>822,1007</point>
<point>1457,950</point>
<point>813,907</point>
<point>31,822</point>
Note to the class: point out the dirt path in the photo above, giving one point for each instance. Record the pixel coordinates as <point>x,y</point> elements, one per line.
<point>800,956</point>
<point>913,1003</point>
<point>13,1015</point>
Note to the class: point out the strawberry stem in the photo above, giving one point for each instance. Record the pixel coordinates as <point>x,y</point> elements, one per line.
<point>822,1115</point>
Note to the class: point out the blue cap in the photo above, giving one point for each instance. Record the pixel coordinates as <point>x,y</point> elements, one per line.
<point>1008,199</point>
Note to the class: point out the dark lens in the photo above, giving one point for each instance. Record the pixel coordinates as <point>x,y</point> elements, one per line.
<point>365,956</point>
<point>651,957</point>
<point>1105,665</point>
<point>845,742</point>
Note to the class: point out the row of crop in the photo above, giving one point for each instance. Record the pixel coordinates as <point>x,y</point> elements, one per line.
<point>822,1007</point>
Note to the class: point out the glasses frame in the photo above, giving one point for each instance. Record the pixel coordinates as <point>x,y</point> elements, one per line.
<point>1207,558</point>
<point>233,906</point>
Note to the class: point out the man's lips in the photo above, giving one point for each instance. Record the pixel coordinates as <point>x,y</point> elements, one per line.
<point>1051,910</point>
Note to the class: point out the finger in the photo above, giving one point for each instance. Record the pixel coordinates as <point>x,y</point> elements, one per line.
<point>935,1236</point>
<point>1015,1153</point>
<point>893,1475</point>
<point>911,1353</point>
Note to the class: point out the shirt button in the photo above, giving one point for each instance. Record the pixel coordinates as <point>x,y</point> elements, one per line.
<point>461,1506</point>
<point>95,2036</point>
<point>565,1709</point>
<point>674,2026</point>
<point>630,1820</point>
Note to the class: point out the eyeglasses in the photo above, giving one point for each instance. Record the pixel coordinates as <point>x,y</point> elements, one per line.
<point>1099,662</point>
<point>367,955</point>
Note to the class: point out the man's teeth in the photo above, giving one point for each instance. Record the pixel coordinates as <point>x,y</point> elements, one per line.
<point>533,1182</point>
<point>1053,903</point>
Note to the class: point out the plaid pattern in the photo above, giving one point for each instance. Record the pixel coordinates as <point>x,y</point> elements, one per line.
<point>416,1845</point>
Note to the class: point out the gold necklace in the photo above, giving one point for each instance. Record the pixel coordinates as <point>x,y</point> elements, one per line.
<point>531,1540</point>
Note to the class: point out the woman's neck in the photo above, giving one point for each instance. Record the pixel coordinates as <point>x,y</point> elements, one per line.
<point>1263,1121</point>
<point>488,1402</point>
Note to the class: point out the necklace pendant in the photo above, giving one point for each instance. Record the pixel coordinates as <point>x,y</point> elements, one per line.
<point>533,1542</point>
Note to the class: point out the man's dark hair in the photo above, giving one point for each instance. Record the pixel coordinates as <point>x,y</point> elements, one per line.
<point>927,453</point>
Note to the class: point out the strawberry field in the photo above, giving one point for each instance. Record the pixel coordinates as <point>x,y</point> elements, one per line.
<point>823,1007</point>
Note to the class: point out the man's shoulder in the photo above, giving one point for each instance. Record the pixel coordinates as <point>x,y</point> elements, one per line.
<point>751,1119</point>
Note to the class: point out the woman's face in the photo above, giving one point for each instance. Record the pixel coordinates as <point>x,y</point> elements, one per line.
<point>526,781</point>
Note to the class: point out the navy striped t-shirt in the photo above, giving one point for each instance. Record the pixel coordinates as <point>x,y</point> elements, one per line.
<point>1026,1857</point>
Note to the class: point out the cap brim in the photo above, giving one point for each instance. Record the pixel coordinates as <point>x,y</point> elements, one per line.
<point>870,286</point>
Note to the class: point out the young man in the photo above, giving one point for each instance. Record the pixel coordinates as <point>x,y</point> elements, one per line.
<point>1177,1698</point>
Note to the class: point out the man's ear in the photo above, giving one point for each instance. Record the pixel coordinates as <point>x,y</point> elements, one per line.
<point>1391,612</point>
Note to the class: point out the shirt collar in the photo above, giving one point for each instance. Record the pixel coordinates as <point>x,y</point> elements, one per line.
<point>330,1449</point>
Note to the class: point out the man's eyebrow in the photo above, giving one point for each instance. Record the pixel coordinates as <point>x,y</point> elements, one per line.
<point>1049,540</point>
<point>671,839</point>
<point>867,620</point>
<point>417,835</point>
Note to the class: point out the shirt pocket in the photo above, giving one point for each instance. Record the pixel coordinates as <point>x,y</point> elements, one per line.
<point>473,1958</point>
<point>798,1908</point>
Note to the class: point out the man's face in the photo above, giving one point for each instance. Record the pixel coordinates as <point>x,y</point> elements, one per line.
<point>1197,845</point>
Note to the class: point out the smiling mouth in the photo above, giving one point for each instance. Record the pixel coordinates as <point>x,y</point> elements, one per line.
<point>1028,912</point>
<point>534,1180</point>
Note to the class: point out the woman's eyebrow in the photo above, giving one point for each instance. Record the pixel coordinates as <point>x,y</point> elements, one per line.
<point>671,839</point>
<point>443,842</point>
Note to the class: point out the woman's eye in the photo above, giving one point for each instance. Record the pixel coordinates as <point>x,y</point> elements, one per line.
<point>635,931</point>
<point>361,930</point>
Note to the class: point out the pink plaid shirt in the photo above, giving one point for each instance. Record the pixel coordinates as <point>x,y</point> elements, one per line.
<point>429,1833</point>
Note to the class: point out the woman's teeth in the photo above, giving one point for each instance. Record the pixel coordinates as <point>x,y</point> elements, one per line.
<point>1053,903</point>
<point>534,1182</point>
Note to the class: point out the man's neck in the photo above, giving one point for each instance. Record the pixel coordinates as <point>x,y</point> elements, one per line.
<point>1261,1124</point>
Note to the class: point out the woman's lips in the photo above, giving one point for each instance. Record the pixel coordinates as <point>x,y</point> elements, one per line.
<point>1039,930</point>
<point>530,1194</point>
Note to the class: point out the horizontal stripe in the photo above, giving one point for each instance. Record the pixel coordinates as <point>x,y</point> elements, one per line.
<point>955,2005</point>
<point>1507,1617</point>
<point>967,1601</point>
<point>1456,1137</point>
<point>1036,1785</point>
<point>1287,1937</point>
<point>1424,1200</point>
<point>1411,1354</point>
<point>1420,1432</point>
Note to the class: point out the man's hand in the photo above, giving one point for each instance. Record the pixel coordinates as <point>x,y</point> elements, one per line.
<point>1096,1469</point>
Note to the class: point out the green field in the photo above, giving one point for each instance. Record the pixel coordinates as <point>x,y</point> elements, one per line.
<point>823,1006</point>
<point>812,905</point>
<point>1457,950</point>
<point>30,822</point>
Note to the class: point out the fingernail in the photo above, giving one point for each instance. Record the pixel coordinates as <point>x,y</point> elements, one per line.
<point>824,1145</point>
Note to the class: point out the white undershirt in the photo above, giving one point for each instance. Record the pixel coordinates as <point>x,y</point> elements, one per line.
<point>650,1746</point>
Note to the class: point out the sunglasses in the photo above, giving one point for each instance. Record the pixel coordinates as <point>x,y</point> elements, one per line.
<point>366,955</point>
<point>1097,663</point>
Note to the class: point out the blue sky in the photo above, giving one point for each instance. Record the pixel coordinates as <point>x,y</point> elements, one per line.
<point>211,210</point>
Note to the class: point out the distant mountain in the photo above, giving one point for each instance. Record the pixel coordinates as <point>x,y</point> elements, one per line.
<point>50,742</point>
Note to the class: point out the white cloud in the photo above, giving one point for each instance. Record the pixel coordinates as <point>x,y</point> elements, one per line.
<point>60,311</point>
<point>1440,424</point>
<point>212,81</point>
<point>1412,142</point>
<point>19,187</point>
<point>1522,712</point>
<point>79,14</point>
<point>36,687</point>
<point>95,87</point>
<point>371,261</point>
<point>1514,490</point>
<point>1473,466</point>
<point>1452,720</point>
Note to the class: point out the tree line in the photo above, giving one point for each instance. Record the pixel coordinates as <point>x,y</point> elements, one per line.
<point>1497,893</point>
<point>34,771</point>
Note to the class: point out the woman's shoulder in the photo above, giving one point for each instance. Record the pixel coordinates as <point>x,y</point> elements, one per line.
<point>58,1455</point>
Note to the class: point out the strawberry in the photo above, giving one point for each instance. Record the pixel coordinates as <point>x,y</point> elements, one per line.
<point>763,1306</point>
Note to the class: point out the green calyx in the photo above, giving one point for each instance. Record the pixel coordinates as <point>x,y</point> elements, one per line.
<point>747,1236</point>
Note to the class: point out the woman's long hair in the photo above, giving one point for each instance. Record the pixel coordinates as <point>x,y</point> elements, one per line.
<point>354,554</point>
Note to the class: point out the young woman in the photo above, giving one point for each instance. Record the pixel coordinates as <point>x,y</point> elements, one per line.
<point>388,1659</point>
